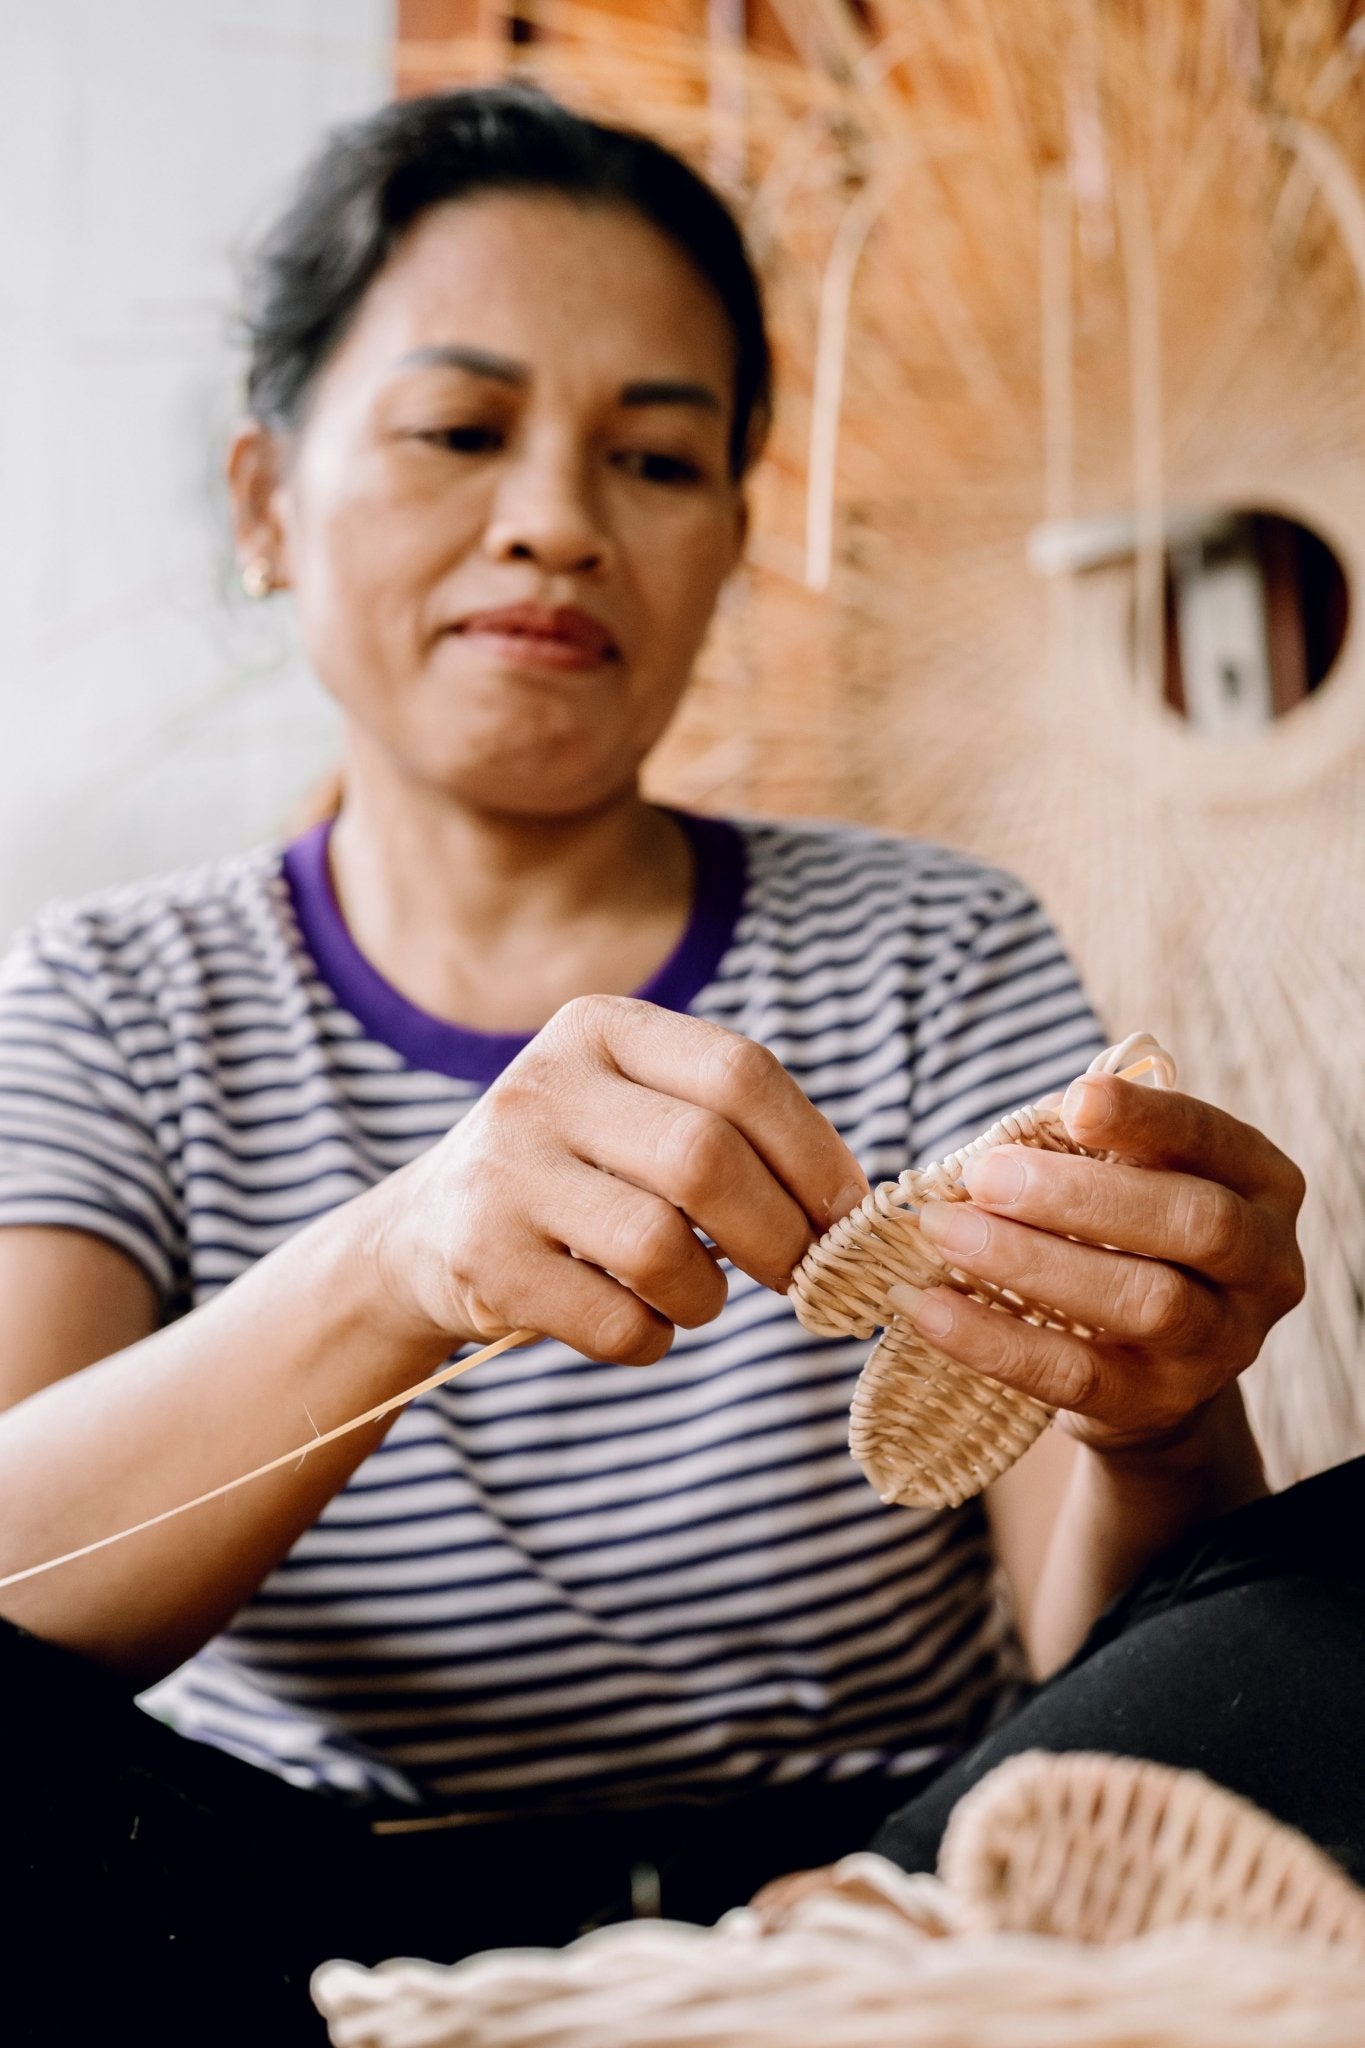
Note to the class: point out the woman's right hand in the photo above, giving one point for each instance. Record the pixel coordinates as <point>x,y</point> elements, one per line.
<point>566,1200</point>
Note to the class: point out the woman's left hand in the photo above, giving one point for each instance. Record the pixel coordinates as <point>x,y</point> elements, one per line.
<point>1181,1262</point>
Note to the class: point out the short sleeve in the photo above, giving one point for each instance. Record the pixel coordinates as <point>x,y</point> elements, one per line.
<point>78,1143</point>
<point>1004,1018</point>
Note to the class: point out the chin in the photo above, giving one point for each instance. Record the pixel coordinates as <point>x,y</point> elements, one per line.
<point>538,792</point>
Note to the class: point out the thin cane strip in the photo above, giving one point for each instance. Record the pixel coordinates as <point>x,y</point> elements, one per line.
<point>295,1457</point>
<point>927,1431</point>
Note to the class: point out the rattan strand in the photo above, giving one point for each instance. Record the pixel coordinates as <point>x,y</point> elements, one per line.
<point>862,1955</point>
<point>927,1431</point>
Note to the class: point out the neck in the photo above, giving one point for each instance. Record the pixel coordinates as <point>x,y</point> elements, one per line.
<point>492,920</point>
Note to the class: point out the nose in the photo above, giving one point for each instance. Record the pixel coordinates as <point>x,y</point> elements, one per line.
<point>545,513</point>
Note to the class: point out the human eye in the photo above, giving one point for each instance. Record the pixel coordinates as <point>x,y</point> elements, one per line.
<point>655,466</point>
<point>468,439</point>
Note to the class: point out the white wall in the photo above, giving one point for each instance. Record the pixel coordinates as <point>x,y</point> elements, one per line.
<point>149,716</point>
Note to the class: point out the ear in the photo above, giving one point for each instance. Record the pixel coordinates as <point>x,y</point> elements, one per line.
<point>255,480</point>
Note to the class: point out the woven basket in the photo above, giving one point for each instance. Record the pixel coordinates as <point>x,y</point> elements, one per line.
<point>865,1957</point>
<point>927,1431</point>
<point>1103,1849</point>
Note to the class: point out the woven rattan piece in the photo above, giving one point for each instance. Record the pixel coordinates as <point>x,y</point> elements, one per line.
<point>1102,1849</point>
<point>862,1956</point>
<point>927,1431</point>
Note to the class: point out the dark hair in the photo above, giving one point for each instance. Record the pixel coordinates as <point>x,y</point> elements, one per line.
<point>374,178</point>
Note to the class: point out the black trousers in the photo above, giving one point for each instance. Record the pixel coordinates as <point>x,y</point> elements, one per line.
<point>163,1891</point>
<point>1240,1654</point>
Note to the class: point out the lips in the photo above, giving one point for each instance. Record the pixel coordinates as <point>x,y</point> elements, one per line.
<point>560,635</point>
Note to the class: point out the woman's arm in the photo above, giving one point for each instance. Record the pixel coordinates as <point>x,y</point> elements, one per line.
<point>564,1202</point>
<point>114,1421</point>
<point>1119,1510</point>
<point>1206,1263</point>
<point>1073,1528</point>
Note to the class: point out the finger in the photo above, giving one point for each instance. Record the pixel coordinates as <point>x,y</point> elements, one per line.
<point>1162,1128</point>
<point>546,1290</point>
<point>1051,1365</point>
<point>642,1241</point>
<point>701,1164</point>
<point>1173,1216</point>
<point>1114,1391</point>
<point>1138,1301</point>
<point>715,1069</point>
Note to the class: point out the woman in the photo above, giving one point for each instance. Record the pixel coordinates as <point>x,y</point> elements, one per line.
<point>510,1046</point>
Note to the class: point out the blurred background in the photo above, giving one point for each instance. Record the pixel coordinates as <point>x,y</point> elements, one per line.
<point>1058,546</point>
<point>149,716</point>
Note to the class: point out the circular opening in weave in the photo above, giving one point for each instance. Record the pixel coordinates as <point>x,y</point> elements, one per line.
<point>1256,611</point>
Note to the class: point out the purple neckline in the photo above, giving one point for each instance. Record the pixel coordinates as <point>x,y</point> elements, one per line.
<point>441,1048</point>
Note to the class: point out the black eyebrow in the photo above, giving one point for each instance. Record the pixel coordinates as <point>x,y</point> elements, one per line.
<point>643,391</point>
<point>454,355</point>
<point>670,391</point>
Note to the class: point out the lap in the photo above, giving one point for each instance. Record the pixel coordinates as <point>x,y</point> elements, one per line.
<point>1240,1654</point>
<point>163,1879</point>
<point>199,1891</point>
<point>148,1876</point>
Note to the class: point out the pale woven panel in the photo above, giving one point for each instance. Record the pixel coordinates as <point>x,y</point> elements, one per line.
<point>1113,258</point>
<point>862,1956</point>
<point>1102,1849</point>
<point>927,1431</point>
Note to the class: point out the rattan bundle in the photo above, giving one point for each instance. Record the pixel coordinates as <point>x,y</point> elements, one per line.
<point>865,1957</point>
<point>927,1431</point>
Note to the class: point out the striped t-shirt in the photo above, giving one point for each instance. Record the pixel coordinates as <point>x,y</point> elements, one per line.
<point>555,1581</point>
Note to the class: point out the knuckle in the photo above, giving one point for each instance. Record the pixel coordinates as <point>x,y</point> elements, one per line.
<point>627,1334</point>
<point>654,1248</point>
<point>512,1101</point>
<point>736,1067</point>
<point>1211,1227</point>
<point>1041,1362</point>
<point>1285,1184</point>
<point>1163,1309</point>
<point>590,1019</point>
<point>698,1155</point>
<point>1073,1380</point>
<point>1288,1282</point>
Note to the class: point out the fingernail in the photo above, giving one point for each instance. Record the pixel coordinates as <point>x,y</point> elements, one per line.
<point>954,1227</point>
<point>996,1178</point>
<point>929,1311</point>
<point>846,1199</point>
<point>1087,1102</point>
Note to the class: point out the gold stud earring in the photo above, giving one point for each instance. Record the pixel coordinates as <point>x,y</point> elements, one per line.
<point>258,578</point>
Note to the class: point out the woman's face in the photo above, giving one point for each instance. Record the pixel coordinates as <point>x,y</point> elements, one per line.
<point>509,511</point>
